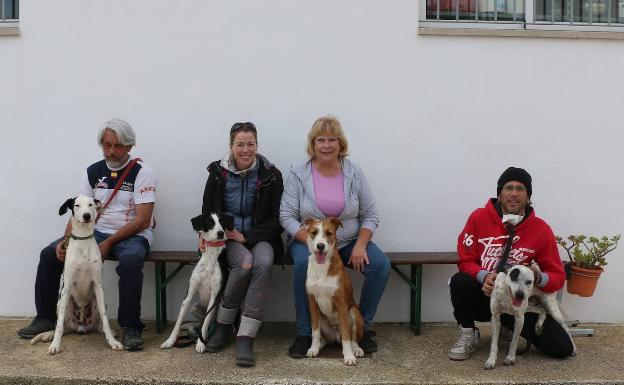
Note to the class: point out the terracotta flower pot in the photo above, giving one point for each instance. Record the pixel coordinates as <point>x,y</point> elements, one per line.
<point>583,281</point>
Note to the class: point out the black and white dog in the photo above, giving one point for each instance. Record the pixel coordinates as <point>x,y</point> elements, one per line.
<point>511,294</point>
<point>206,277</point>
<point>81,307</point>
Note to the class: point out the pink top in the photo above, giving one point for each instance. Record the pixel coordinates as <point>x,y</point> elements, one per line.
<point>329,193</point>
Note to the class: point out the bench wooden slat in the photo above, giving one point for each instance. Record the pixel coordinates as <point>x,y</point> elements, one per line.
<point>173,256</point>
<point>422,258</point>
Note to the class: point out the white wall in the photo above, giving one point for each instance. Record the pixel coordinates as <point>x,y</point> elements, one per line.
<point>433,121</point>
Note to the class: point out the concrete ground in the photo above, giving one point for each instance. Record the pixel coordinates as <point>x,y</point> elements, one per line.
<point>402,359</point>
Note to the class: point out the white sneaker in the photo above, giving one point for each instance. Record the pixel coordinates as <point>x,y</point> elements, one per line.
<point>466,344</point>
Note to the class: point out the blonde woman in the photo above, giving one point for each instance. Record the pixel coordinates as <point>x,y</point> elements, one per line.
<point>330,185</point>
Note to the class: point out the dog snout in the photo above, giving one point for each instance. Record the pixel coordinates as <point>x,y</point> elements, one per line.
<point>520,294</point>
<point>320,246</point>
<point>220,234</point>
<point>86,217</point>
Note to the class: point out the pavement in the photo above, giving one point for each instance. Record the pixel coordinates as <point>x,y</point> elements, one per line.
<point>403,358</point>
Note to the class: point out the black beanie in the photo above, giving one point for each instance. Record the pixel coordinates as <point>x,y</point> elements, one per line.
<point>515,174</point>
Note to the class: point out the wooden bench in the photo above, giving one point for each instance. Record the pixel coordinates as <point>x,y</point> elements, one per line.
<point>414,259</point>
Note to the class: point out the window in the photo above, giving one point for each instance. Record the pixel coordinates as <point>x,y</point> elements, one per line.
<point>583,15</point>
<point>9,11</point>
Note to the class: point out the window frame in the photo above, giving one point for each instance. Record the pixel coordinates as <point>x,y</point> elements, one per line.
<point>529,23</point>
<point>8,27</point>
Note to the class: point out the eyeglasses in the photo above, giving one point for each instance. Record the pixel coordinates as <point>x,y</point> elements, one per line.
<point>518,188</point>
<point>247,126</point>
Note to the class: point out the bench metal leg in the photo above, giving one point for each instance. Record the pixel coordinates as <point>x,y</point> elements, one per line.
<point>161,296</point>
<point>415,283</point>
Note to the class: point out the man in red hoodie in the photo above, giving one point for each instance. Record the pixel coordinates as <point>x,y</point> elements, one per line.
<point>508,220</point>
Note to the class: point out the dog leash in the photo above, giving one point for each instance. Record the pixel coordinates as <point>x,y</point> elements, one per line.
<point>505,257</point>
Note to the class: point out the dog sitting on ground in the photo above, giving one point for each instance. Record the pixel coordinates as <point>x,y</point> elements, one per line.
<point>81,306</point>
<point>206,278</point>
<point>511,294</point>
<point>334,314</point>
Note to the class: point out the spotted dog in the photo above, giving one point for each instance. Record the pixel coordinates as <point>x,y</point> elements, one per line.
<point>206,278</point>
<point>511,296</point>
<point>81,306</point>
<point>334,314</point>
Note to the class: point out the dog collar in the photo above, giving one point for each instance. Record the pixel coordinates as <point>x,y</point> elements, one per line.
<point>72,236</point>
<point>215,243</point>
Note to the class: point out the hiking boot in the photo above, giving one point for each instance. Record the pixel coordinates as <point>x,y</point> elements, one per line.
<point>222,335</point>
<point>244,351</point>
<point>366,343</point>
<point>37,326</point>
<point>466,344</point>
<point>504,340</point>
<point>300,347</point>
<point>132,340</point>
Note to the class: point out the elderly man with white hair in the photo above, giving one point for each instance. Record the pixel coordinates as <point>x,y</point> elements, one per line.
<point>122,230</point>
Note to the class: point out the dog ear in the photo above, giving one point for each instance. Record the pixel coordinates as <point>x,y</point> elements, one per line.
<point>198,223</point>
<point>98,204</point>
<point>227,221</point>
<point>307,223</point>
<point>336,222</point>
<point>69,204</point>
<point>513,274</point>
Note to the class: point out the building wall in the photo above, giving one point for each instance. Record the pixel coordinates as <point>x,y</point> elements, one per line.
<point>433,121</point>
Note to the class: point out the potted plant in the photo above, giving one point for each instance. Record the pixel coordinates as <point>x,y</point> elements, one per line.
<point>586,260</point>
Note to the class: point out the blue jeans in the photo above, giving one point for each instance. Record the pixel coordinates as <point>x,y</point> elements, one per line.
<point>130,252</point>
<point>375,279</point>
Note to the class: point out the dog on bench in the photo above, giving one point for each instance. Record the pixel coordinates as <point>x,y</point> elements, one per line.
<point>512,290</point>
<point>81,307</point>
<point>206,279</point>
<point>334,314</point>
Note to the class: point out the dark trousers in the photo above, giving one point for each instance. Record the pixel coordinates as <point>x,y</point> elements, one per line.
<point>130,252</point>
<point>470,305</point>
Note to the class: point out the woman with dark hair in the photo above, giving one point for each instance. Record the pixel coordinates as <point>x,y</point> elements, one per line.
<point>248,187</point>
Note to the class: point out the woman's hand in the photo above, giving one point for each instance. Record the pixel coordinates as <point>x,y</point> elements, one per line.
<point>358,258</point>
<point>235,235</point>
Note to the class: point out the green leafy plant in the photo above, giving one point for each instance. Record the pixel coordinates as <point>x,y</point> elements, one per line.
<point>588,252</point>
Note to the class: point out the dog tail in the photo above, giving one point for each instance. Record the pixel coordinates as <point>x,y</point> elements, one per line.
<point>38,337</point>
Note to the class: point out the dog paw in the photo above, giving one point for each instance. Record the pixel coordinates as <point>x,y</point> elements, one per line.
<point>489,365</point>
<point>358,352</point>
<point>509,361</point>
<point>167,344</point>
<point>54,348</point>
<point>200,347</point>
<point>573,352</point>
<point>350,361</point>
<point>116,345</point>
<point>539,328</point>
<point>312,352</point>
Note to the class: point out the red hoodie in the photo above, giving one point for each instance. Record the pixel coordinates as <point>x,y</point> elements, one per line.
<point>480,246</point>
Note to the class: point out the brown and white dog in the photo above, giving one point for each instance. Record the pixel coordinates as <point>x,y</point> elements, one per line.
<point>334,314</point>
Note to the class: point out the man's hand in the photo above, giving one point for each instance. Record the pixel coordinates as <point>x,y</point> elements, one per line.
<point>60,251</point>
<point>235,235</point>
<point>488,284</point>
<point>537,274</point>
<point>358,258</point>
<point>105,248</point>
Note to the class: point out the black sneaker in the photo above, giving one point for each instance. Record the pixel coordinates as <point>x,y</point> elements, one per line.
<point>219,339</point>
<point>132,340</point>
<point>37,326</point>
<point>366,343</point>
<point>300,347</point>
<point>244,351</point>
